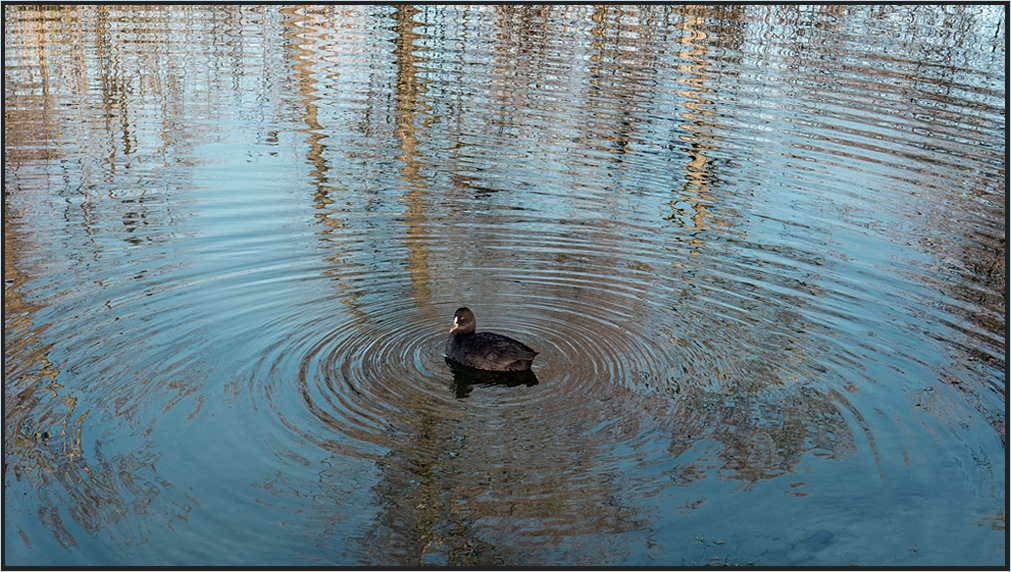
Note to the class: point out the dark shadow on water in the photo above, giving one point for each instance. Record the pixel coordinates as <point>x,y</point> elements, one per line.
<point>466,378</point>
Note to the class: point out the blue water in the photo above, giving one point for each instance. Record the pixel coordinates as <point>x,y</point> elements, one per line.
<point>761,251</point>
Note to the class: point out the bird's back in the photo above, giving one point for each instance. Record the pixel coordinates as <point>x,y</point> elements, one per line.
<point>486,350</point>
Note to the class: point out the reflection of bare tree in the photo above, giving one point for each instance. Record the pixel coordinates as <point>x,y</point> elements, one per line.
<point>46,102</point>
<point>448,499</point>
<point>30,385</point>
<point>696,184</point>
<point>305,29</point>
<point>420,516</point>
<point>73,75</point>
<point>409,88</point>
<point>424,517</point>
<point>43,425</point>
<point>481,490</point>
<point>762,435</point>
<point>301,38</point>
<point>764,414</point>
<point>927,93</point>
<point>498,490</point>
<point>971,250</point>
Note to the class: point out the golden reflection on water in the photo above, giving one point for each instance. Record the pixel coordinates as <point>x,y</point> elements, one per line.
<point>699,117</point>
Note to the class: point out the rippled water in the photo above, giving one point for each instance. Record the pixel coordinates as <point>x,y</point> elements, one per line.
<point>761,251</point>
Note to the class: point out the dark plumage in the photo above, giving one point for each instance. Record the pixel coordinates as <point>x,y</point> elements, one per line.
<point>485,350</point>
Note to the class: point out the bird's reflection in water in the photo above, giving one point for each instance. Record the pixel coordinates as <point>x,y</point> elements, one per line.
<point>466,378</point>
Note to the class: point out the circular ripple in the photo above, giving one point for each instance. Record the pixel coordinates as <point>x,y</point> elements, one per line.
<point>369,374</point>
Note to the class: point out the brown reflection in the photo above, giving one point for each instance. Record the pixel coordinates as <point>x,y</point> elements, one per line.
<point>763,434</point>
<point>30,385</point>
<point>43,424</point>
<point>309,33</point>
<point>960,232</point>
<point>80,136</point>
<point>424,517</point>
<point>49,101</point>
<point>501,488</point>
<point>700,136</point>
<point>305,28</point>
<point>302,37</point>
<point>299,38</point>
<point>624,83</point>
<point>762,410</point>
<point>409,87</point>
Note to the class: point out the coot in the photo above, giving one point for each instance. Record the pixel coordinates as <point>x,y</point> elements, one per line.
<point>485,350</point>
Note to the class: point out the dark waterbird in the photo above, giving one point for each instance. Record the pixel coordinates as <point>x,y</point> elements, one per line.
<point>485,350</point>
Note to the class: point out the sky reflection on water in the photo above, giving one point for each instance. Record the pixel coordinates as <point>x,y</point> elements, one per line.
<point>762,251</point>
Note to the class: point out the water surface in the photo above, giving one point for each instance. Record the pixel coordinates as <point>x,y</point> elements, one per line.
<point>761,251</point>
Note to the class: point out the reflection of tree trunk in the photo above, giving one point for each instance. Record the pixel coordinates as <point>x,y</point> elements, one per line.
<point>302,62</point>
<point>408,87</point>
<point>415,510</point>
<point>407,90</point>
<point>697,175</point>
<point>427,514</point>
